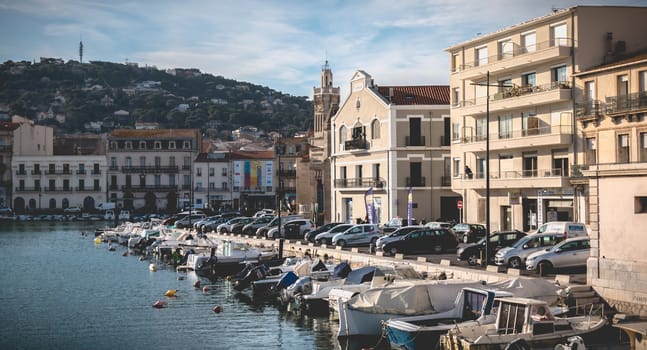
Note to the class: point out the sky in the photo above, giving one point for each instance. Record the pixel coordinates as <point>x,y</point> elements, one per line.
<point>281,44</point>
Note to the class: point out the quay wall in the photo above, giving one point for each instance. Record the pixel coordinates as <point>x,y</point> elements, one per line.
<point>355,259</point>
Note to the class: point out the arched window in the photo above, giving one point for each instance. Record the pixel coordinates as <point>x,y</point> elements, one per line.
<point>342,137</point>
<point>52,203</point>
<point>375,129</point>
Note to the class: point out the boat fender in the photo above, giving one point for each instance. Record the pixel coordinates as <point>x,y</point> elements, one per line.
<point>170,293</point>
<point>208,287</point>
<point>159,304</point>
<point>152,267</point>
<point>217,309</point>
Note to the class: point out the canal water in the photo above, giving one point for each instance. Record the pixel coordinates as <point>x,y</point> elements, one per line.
<point>60,290</point>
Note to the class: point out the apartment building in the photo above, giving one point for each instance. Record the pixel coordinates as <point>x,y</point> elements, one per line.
<point>6,152</point>
<point>612,139</point>
<point>388,142</point>
<point>512,113</point>
<point>151,170</point>
<point>54,174</point>
<point>212,181</point>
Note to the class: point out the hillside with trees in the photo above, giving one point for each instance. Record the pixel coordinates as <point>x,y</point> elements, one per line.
<point>70,95</point>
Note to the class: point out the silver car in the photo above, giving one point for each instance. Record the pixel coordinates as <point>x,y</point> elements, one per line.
<point>516,255</point>
<point>361,234</point>
<point>572,252</point>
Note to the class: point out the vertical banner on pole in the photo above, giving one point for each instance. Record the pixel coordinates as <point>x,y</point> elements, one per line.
<point>410,207</point>
<point>370,207</point>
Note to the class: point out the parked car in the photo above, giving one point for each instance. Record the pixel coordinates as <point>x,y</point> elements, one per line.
<point>438,224</point>
<point>212,225</point>
<point>238,226</point>
<point>198,224</point>
<point>310,236</point>
<point>262,231</point>
<point>250,229</point>
<point>361,234</point>
<point>188,220</point>
<point>326,236</point>
<point>467,233</point>
<point>292,229</point>
<point>515,256</point>
<point>570,253</point>
<point>228,225</point>
<point>424,240</point>
<point>395,235</point>
<point>471,252</point>
<point>568,229</point>
<point>264,212</point>
<point>395,224</point>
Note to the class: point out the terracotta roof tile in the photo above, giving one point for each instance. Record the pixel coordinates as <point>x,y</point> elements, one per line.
<point>416,95</point>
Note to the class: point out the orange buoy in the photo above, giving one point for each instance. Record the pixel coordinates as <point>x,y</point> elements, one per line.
<point>170,293</point>
<point>159,304</point>
<point>217,309</point>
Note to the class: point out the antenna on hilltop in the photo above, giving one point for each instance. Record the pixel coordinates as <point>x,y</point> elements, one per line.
<point>81,49</point>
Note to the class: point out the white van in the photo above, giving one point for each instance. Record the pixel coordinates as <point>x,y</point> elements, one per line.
<point>567,228</point>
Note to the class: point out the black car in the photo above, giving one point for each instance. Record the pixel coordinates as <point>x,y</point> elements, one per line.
<point>310,236</point>
<point>425,240</point>
<point>472,252</point>
<point>467,233</point>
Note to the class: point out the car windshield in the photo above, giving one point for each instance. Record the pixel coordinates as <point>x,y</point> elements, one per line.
<point>521,242</point>
<point>340,228</point>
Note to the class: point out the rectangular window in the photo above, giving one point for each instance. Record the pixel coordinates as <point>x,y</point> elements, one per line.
<point>529,79</point>
<point>505,84</point>
<point>415,172</point>
<point>481,56</point>
<point>113,162</point>
<point>455,97</point>
<point>198,171</point>
<point>456,167</point>
<point>529,124</point>
<point>558,35</point>
<point>559,75</point>
<point>455,131</point>
<point>480,129</point>
<point>455,62</point>
<point>171,180</point>
<point>52,168</point>
<point>158,180</point>
<point>529,42</point>
<point>358,172</point>
<point>129,162</point>
<point>81,185</point>
<point>158,161</point>
<point>142,145</point>
<point>530,164</point>
<point>623,148</point>
<point>560,163</point>
<point>505,126</point>
<point>129,181</point>
<point>212,171</point>
<point>376,171</point>
<point>590,156</point>
<point>142,161</point>
<point>415,138</point>
<point>129,145</point>
<point>640,205</point>
<point>97,185</point>
<point>158,145</point>
<point>481,168</point>
<point>642,86</point>
<point>506,49</point>
<point>66,185</point>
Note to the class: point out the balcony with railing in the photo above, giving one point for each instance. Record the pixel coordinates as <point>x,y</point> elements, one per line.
<point>589,111</point>
<point>528,178</point>
<point>517,58</point>
<point>6,148</point>
<point>363,182</point>
<point>517,97</point>
<point>145,188</point>
<point>415,181</point>
<point>28,189</point>
<point>80,172</point>
<point>57,189</point>
<point>87,189</point>
<point>150,169</point>
<point>36,172</point>
<point>356,144</point>
<point>418,140</point>
<point>445,180</point>
<point>58,172</point>
<point>96,172</point>
<point>626,104</point>
<point>286,172</point>
<point>549,135</point>
<point>21,172</point>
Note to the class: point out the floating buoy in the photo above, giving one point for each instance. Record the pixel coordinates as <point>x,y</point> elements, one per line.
<point>180,278</point>
<point>159,304</point>
<point>208,287</point>
<point>97,240</point>
<point>229,278</point>
<point>152,267</point>
<point>217,309</point>
<point>170,293</point>
<point>197,284</point>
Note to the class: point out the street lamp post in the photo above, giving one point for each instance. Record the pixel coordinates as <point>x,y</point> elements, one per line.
<point>279,191</point>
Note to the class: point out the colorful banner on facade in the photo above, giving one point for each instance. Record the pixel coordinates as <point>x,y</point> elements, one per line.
<point>269,173</point>
<point>410,207</point>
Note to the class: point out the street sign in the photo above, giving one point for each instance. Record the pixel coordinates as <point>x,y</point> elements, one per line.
<point>459,204</point>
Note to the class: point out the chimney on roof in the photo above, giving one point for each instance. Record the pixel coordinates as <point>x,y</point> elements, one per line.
<point>390,94</point>
<point>609,47</point>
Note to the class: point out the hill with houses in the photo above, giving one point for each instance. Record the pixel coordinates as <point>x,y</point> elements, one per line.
<point>101,96</point>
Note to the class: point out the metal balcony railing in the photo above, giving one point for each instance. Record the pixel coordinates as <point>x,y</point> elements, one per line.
<point>21,172</point>
<point>511,134</point>
<point>515,174</point>
<point>286,172</point>
<point>515,91</point>
<point>140,188</point>
<point>415,181</point>
<point>57,172</point>
<point>418,140</point>
<point>146,169</point>
<point>588,110</point>
<point>636,101</point>
<point>355,144</point>
<point>28,189</point>
<point>364,182</point>
<point>446,180</point>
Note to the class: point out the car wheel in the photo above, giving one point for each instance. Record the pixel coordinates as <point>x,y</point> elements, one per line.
<point>472,260</point>
<point>466,238</point>
<point>341,243</point>
<point>544,267</point>
<point>329,241</point>
<point>393,250</point>
<point>317,242</point>
<point>515,263</point>
<point>438,248</point>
